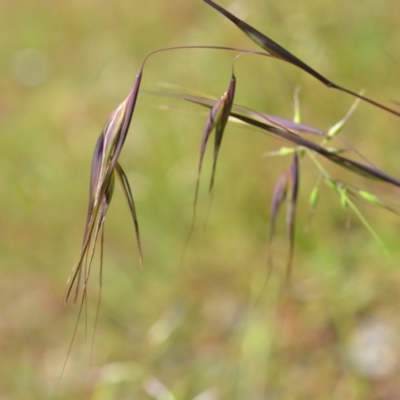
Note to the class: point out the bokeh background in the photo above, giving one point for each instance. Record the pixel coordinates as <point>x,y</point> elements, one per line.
<point>206,328</point>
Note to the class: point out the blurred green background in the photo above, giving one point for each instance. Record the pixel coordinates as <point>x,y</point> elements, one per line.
<point>206,328</point>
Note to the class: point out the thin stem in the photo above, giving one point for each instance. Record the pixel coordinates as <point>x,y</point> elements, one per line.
<point>205,47</point>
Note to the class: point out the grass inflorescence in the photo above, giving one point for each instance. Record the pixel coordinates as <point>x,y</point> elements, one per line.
<point>300,141</point>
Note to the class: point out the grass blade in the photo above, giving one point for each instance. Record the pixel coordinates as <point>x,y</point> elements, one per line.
<point>358,168</point>
<point>217,119</point>
<point>268,44</point>
<point>128,194</point>
<point>257,115</point>
<point>313,201</point>
<point>291,210</point>
<point>221,123</point>
<point>94,174</point>
<point>368,197</point>
<point>288,135</point>
<point>279,52</point>
<point>342,191</point>
<point>278,197</point>
<point>335,129</point>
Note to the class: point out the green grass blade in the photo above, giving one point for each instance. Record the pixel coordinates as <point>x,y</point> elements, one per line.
<point>335,129</point>
<point>343,193</point>
<point>313,200</point>
<point>282,152</point>
<point>375,200</point>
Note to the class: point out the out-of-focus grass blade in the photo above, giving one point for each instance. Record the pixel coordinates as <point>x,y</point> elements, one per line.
<point>339,188</point>
<point>332,184</point>
<point>371,198</point>
<point>279,52</point>
<point>343,197</point>
<point>346,190</point>
<point>278,197</point>
<point>314,196</point>
<point>283,151</point>
<point>366,196</point>
<point>106,154</point>
<point>313,201</point>
<point>375,200</point>
<point>285,188</point>
<point>291,209</point>
<point>128,194</point>
<point>335,129</point>
<point>296,105</point>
